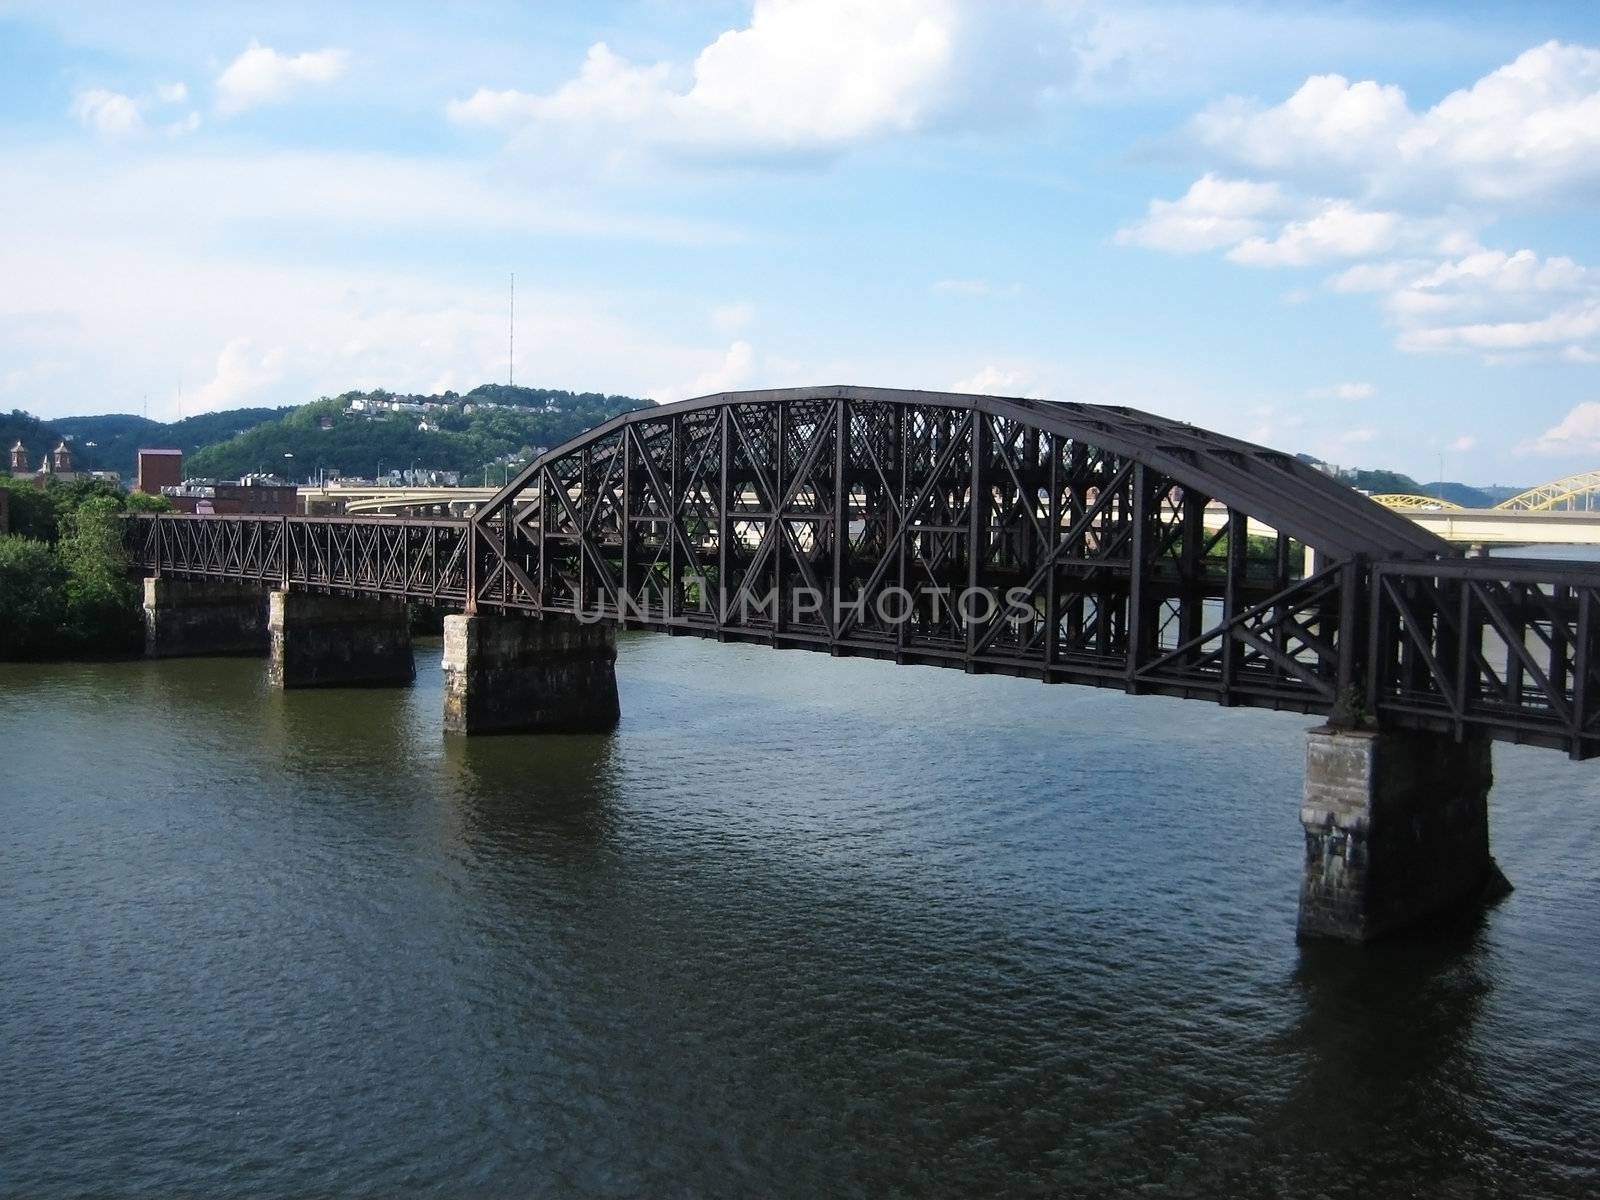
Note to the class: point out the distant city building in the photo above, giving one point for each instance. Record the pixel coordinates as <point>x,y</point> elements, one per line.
<point>257,495</point>
<point>19,458</point>
<point>159,470</point>
<point>425,477</point>
<point>58,464</point>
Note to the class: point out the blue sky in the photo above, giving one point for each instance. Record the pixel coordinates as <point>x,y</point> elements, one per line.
<point>1363,231</point>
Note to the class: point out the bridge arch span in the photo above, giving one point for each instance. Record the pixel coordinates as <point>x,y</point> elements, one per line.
<point>1557,494</point>
<point>1411,502</point>
<point>1071,542</point>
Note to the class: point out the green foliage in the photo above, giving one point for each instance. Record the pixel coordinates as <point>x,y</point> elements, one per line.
<point>63,580</point>
<point>32,598</point>
<point>100,614</point>
<point>1462,494</point>
<point>475,443</point>
<point>1378,482</point>
<point>33,510</point>
<point>1350,710</point>
<point>141,502</point>
<point>118,437</point>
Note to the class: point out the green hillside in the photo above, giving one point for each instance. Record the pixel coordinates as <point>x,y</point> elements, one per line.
<point>1376,482</point>
<point>117,437</point>
<point>480,434</point>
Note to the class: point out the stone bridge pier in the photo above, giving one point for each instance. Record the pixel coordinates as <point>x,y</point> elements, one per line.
<point>186,618</point>
<point>338,641</point>
<point>509,674</point>
<point>1397,832</point>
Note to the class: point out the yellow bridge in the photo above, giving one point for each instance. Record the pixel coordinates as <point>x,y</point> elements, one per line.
<point>1562,512</point>
<point>1571,493</point>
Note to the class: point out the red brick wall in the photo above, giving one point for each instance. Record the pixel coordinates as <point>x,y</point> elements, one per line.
<point>157,471</point>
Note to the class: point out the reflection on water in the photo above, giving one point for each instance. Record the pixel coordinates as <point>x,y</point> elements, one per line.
<point>800,926</point>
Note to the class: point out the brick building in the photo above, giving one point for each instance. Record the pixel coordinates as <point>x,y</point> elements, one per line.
<point>232,499</point>
<point>159,469</point>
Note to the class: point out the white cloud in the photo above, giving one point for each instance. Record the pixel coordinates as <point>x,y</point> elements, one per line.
<point>244,374</point>
<point>1339,230</point>
<point>260,75</point>
<point>1378,276</point>
<point>1343,391</point>
<point>731,373</point>
<point>115,116</point>
<point>1577,433</point>
<point>1571,328</point>
<point>804,77</point>
<point>1462,444</point>
<point>112,115</point>
<point>1213,213</point>
<point>1495,303</point>
<point>995,381</point>
<point>1348,172</point>
<point>1328,126</point>
<point>1528,133</point>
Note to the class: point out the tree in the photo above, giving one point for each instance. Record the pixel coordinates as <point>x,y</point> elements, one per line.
<point>143,502</point>
<point>33,510</point>
<point>100,614</point>
<point>32,598</point>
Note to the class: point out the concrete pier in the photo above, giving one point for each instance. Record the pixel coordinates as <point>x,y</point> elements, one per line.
<point>1397,832</point>
<point>194,618</point>
<point>522,674</point>
<point>337,641</point>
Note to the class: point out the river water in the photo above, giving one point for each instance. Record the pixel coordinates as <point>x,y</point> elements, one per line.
<point>800,927</point>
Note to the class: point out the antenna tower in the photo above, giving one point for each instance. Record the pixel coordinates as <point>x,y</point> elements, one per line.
<point>511,341</point>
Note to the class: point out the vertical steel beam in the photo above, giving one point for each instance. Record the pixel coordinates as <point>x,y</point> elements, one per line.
<point>1052,604</point>
<point>1580,672</point>
<point>977,525</point>
<point>724,519</point>
<point>627,514</point>
<point>1136,582</point>
<point>841,514</point>
<point>1232,594</point>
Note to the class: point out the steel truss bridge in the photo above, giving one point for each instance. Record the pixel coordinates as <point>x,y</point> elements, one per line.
<point>1065,542</point>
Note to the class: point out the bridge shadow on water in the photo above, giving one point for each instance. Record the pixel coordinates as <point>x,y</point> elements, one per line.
<point>1387,1052</point>
<point>552,797</point>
